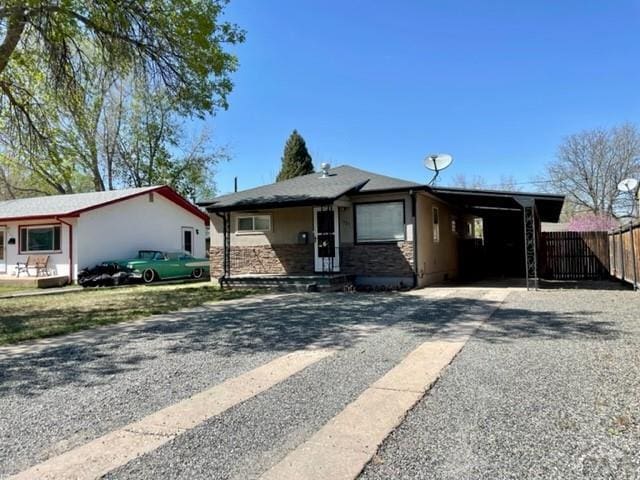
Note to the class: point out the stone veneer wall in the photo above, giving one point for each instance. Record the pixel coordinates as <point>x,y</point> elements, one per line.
<point>378,259</point>
<point>265,259</point>
<point>382,259</point>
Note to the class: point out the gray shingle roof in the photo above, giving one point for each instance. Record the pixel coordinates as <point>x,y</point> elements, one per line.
<point>312,188</point>
<point>60,205</point>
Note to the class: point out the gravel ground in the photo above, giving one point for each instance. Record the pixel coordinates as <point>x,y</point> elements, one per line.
<point>548,389</point>
<point>62,396</point>
<point>250,438</point>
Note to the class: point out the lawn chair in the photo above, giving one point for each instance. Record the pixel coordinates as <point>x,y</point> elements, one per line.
<point>38,262</point>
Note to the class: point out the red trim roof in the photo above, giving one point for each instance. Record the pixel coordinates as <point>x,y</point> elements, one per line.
<point>163,190</point>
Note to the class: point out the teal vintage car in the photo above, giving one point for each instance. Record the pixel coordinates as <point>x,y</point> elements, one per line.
<point>152,265</point>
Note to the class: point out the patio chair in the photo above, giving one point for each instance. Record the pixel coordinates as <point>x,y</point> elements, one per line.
<point>38,262</point>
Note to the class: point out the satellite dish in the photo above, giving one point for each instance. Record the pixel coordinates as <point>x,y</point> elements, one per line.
<point>628,185</point>
<point>437,162</point>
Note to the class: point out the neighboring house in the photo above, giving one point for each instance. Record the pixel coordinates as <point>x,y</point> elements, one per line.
<point>379,229</point>
<point>81,230</point>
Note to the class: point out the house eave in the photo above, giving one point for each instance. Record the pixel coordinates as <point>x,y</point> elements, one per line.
<point>52,216</point>
<point>306,202</point>
<point>269,205</point>
<point>165,191</point>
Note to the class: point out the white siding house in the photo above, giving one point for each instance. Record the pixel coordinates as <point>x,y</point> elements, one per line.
<point>82,230</point>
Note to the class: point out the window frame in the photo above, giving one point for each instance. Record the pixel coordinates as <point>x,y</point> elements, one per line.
<point>369,242</point>
<point>435,225</point>
<point>22,248</point>
<point>253,231</point>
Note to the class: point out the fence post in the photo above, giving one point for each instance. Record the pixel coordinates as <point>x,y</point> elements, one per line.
<point>633,254</point>
<point>622,255</point>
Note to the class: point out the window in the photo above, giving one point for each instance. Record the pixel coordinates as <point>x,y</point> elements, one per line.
<point>436,225</point>
<point>43,238</point>
<point>380,222</point>
<point>454,225</point>
<point>254,223</point>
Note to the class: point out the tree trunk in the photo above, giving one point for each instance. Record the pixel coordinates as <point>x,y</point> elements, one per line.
<point>15,27</point>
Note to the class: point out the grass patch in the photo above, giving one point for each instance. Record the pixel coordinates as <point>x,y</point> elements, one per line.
<point>45,316</point>
<point>7,289</point>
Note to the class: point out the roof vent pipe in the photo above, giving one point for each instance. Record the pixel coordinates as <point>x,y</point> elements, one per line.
<point>324,168</point>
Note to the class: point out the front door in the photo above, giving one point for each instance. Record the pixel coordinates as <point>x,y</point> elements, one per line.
<point>187,240</point>
<point>327,258</point>
<point>3,250</point>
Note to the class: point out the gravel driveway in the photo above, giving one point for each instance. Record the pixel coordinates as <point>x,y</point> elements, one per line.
<point>549,388</point>
<point>62,396</point>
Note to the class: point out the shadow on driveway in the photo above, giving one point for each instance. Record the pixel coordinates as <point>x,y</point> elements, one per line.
<point>278,324</point>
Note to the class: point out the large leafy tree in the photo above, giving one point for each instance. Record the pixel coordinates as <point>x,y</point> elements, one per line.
<point>115,134</point>
<point>296,160</point>
<point>71,73</point>
<point>176,42</point>
<point>590,164</point>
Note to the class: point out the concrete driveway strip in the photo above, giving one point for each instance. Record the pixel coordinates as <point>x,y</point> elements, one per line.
<point>252,437</point>
<point>342,448</point>
<point>116,448</point>
<point>58,395</point>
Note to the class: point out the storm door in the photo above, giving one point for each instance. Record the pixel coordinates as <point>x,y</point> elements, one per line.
<point>327,258</point>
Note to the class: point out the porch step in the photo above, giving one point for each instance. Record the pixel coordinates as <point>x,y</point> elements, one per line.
<point>285,283</point>
<point>34,282</point>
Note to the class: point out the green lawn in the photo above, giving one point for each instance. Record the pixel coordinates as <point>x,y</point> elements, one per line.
<point>48,315</point>
<point>7,289</point>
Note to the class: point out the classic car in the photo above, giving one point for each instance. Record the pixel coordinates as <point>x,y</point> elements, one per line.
<point>152,265</point>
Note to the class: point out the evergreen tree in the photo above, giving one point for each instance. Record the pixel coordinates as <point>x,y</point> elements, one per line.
<point>296,160</point>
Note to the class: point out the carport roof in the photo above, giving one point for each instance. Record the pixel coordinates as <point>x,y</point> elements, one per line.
<point>548,205</point>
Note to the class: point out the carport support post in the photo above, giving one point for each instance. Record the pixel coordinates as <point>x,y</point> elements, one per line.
<point>226,248</point>
<point>530,247</point>
<point>227,245</point>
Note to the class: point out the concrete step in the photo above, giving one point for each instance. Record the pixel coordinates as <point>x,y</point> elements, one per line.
<point>291,283</point>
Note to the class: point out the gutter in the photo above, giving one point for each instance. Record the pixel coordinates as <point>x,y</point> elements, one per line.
<point>70,227</point>
<point>415,237</point>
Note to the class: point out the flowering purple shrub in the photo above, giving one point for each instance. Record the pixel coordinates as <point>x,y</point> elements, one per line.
<point>591,222</point>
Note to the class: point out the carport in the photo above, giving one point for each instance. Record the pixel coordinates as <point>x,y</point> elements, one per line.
<point>509,245</point>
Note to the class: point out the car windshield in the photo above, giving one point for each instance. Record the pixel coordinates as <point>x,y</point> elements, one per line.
<point>149,255</point>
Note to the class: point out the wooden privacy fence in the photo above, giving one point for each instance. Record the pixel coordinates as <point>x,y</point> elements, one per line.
<point>624,253</point>
<point>574,255</point>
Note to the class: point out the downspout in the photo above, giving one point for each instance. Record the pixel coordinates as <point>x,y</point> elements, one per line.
<point>223,277</point>
<point>415,238</point>
<point>70,227</point>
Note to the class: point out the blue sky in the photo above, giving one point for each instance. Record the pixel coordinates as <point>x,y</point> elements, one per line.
<point>379,85</point>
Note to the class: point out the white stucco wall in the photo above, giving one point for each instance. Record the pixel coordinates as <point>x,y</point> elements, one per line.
<point>119,230</point>
<point>111,232</point>
<point>58,261</point>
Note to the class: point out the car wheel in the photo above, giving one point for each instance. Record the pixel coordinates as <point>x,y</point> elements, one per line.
<point>148,275</point>
<point>197,273</point>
